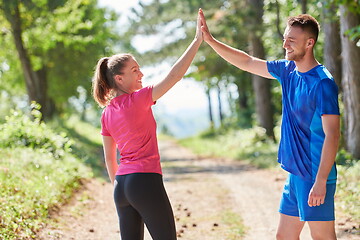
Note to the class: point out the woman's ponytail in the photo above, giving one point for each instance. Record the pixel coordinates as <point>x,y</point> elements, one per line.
<point>103,83</point>
<point>100,84</point>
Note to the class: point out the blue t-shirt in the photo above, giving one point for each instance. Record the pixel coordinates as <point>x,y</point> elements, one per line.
<point>305,98</point>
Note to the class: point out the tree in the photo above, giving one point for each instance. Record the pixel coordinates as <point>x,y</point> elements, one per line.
<point>211,118</point>
<point>332,45</point>
<point>35,82</point>
<point>221,115</point>
<point>210,73</point>
<point>303,6</point>
<point>350,19</point>
<point>261,85</point>
<point>57,43</point>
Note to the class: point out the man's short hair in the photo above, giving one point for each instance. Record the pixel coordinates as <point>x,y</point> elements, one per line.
<point>306,23</point>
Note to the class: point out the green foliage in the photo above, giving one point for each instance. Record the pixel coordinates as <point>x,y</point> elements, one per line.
<point>83,34</point>
<point>172,21</point>
<point>353,5</point>
<point>20,130</point>
<point>38,173</point>
<point>10,76</point>
<point>354,33</point>
<point>344,158</point>
<point>32,183</point>
<point>63,40</point>
<point>86,141</point>
<point>348,185</point>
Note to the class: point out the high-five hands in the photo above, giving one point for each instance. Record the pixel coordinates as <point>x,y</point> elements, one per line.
<point>204,28</point>
<point>198,34</point>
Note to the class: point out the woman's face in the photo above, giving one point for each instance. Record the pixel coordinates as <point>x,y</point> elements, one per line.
<point>131,77</point>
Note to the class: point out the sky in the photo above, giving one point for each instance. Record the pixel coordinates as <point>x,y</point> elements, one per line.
<point>186,97</point>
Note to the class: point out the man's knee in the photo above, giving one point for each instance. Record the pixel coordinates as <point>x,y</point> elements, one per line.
<point>285,236</point>
<point>279,236</point>
<point>322,230</point>
<point>323,236</point>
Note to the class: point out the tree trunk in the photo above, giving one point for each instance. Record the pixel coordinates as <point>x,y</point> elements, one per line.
<point>245,110</point>
<point>36,83</point>
<point>261,85</point>
<point>350,81</point>
<point>221,117</point>
<point>332,45</point>
<point>242,100</point>
<point>211,119</point>
<point>278,30</point>
<point>303,6</point>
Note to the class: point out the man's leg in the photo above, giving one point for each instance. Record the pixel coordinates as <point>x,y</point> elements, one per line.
<point>320,218</point>
<point>322,230</point>
<point>289,227</point>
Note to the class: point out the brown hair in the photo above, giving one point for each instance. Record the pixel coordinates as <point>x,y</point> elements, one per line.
<point>103,83</point>
<point>306,23</point>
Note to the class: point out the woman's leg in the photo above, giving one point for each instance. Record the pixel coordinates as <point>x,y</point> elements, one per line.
<point>146,193</point>
<point>130,221</point>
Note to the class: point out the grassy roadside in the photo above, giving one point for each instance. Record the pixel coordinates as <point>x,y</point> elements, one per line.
<point>41,165</point>
<point>86,143</point>
<point>32,184</point>
<point>348,191</point>
<point>250,145</point>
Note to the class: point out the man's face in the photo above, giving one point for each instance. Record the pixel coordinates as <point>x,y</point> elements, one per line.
<point>295,43</point>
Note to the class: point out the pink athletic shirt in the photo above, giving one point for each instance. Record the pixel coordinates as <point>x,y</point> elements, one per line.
<point>129,120</point>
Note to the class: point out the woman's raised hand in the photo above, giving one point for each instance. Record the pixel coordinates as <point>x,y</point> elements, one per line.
<point>204,28</point>
<point>198,34</point>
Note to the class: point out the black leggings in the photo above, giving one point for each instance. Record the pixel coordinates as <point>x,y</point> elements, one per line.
<point>141,198</point>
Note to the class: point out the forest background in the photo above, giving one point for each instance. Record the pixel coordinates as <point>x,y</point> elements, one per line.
<point>47,57</point>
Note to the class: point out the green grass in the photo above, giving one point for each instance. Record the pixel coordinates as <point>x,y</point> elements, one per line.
<point>348,190</point>
<point>33,183</point>
<point>235,223</point>
<point>87,143</point>
<point>41,166</point>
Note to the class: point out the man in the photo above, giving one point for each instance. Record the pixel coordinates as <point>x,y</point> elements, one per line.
<point>310,126</point>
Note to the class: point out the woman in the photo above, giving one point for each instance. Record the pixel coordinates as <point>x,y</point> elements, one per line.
<point>127,123</point>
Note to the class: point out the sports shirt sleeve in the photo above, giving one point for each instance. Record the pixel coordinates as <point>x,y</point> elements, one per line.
<point>327,97</point>
<point>104,130</point>
<point>142,99</point>
<point>280,69</point>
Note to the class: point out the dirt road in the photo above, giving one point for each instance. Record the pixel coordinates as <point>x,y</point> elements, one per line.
<point>209,198</point>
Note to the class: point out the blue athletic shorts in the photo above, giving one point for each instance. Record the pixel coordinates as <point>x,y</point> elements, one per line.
<point>294,201</point>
